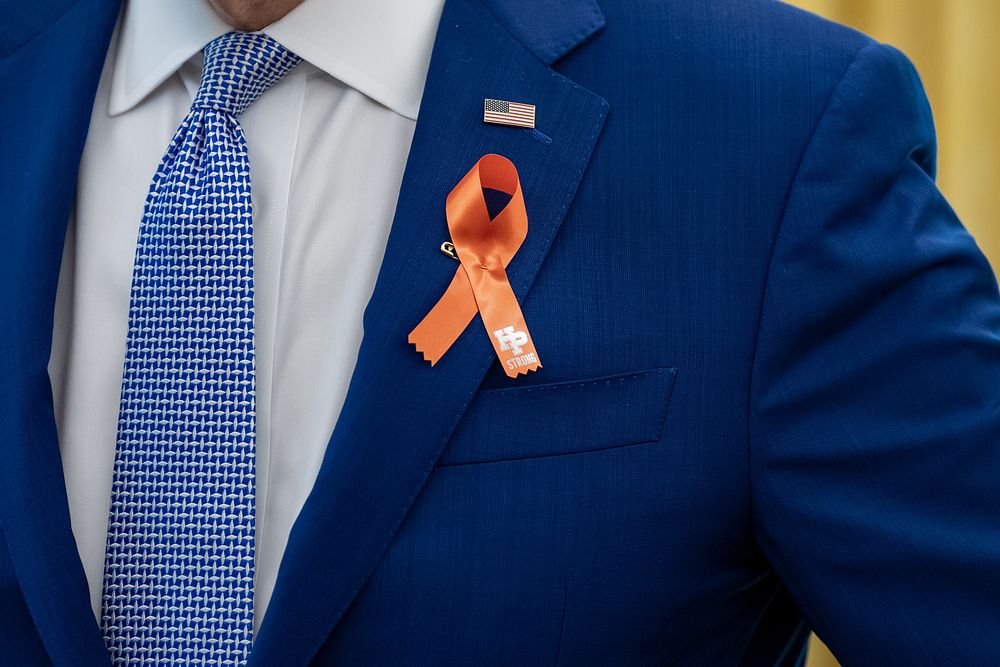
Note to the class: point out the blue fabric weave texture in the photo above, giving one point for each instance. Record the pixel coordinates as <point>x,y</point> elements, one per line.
<point>772,378</point>
<point>178,581</point>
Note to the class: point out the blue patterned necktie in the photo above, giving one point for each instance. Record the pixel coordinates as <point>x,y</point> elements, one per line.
<point>179,569</point>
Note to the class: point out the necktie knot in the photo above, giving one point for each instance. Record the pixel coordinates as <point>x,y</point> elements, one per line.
<point>239,67</point>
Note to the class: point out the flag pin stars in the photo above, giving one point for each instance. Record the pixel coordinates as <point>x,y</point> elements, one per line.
<point>502,112</point>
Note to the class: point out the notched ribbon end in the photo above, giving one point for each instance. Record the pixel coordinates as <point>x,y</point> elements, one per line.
<point>513,369</point>
<point>525,371</point>
<point>426,355</point>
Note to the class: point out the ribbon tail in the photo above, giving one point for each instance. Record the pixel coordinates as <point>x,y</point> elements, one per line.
<point>446,321</point>
<point>505,323</point>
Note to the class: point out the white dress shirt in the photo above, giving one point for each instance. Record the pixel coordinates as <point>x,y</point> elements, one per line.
<point>327,146</point>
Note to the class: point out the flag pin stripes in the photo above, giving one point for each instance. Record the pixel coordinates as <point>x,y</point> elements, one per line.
<point>502,112</point>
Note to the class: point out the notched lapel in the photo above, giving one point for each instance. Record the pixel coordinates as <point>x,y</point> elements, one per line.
<point>400,412</point>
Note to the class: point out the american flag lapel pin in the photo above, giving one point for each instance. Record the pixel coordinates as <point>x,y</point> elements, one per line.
<point>502,112</point>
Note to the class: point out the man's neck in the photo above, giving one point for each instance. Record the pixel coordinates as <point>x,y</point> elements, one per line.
<point>251,15</point>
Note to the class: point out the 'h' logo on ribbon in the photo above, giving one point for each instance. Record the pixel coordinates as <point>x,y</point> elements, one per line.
<point>485,248</point>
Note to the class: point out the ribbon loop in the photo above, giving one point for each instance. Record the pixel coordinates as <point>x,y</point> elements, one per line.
<point>485,247</point>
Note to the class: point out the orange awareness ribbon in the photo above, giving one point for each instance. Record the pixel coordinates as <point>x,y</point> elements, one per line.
<point>484,248</point>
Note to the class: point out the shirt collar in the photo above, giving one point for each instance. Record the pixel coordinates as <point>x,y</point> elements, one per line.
<point>381,48</point>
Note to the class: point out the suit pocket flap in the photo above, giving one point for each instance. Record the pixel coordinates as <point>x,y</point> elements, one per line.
<point>562,418</point>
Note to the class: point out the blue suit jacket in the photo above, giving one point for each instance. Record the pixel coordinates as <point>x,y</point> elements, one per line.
<point>771,393</point>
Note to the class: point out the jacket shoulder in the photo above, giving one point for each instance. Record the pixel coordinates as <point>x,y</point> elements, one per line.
<point>758,43</point>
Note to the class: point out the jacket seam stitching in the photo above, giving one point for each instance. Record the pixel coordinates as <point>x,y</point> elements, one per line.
<point>668,391</point>
<point>555,455</point>
<point>619,379</point>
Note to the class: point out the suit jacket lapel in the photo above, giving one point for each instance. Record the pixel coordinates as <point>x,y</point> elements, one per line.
<point>50,63</point>
<point>400,412</point>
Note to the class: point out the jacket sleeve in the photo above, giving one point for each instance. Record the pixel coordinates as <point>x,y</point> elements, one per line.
<point>875,391</point>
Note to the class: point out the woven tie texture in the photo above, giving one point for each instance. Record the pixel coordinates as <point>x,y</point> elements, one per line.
<point>179,567</point>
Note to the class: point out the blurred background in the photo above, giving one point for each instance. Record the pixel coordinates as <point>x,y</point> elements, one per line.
<point>956,47</point>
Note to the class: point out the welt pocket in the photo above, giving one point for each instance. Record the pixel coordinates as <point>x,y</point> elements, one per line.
<point>562,418</point>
